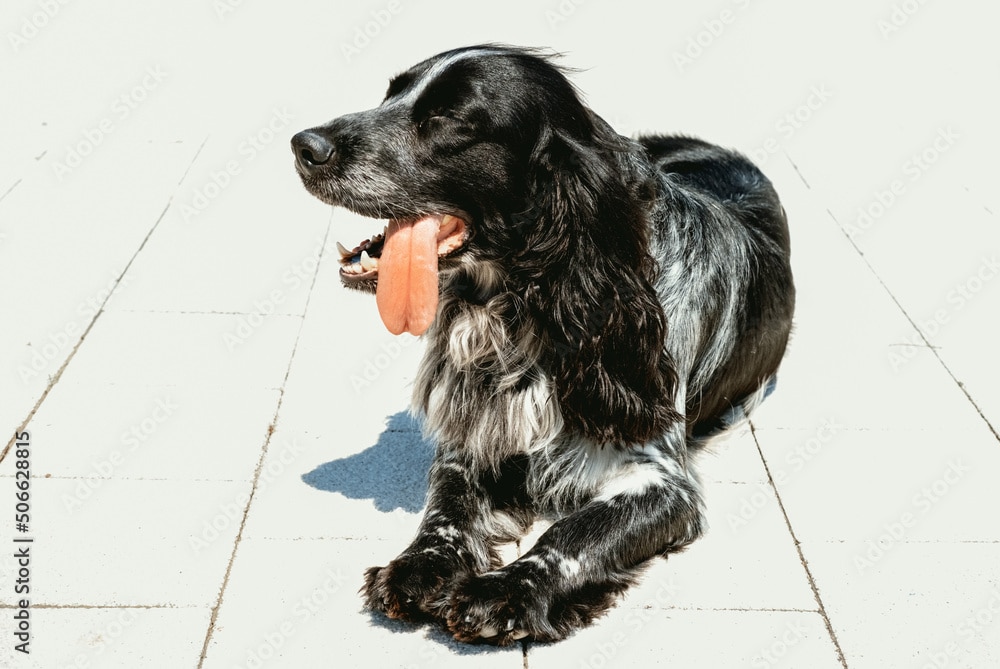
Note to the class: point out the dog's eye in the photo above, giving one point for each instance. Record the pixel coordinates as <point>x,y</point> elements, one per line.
<point>436,116</point>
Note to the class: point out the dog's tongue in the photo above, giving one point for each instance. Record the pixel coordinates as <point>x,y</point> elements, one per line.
<point>407,291</point>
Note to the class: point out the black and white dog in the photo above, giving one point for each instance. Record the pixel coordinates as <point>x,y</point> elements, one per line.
<point>595,307</point>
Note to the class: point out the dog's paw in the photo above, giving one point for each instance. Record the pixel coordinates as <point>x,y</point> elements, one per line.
<point>410,587</point>
<point>497,608</point>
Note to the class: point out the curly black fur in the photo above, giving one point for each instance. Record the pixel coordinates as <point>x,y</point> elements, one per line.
<point>615,302</point>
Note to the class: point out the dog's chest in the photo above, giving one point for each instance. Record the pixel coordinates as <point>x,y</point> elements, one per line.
<point>483,391</point>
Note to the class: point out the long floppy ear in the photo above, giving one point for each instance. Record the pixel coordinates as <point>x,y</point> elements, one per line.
<point>587,275</point>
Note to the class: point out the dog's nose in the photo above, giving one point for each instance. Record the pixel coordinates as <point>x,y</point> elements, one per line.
<point>311,149</point>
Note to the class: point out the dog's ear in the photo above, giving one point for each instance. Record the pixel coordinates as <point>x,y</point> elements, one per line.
<point>587,276</point>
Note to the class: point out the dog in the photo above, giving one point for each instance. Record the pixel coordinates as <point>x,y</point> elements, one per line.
<point>595,308</point>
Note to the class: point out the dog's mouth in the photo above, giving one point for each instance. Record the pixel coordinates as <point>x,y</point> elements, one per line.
<point>401,266</point>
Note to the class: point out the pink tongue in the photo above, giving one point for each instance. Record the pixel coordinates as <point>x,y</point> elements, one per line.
<point>407,290</point>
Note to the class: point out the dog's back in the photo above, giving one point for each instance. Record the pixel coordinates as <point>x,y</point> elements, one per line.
<point>742,325</point>
<point>727,176</point>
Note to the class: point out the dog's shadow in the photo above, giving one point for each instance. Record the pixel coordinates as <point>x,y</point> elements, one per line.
<point>392,473</point>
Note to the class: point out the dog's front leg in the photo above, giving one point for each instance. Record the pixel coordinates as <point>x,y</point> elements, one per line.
<point>468,512</point>
<point>582,562</point>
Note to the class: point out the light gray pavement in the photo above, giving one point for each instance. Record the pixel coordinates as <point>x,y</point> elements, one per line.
<point>218,431</point>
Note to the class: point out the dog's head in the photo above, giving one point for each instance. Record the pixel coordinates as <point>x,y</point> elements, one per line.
<point>447,159</point>
<point>486,157</point>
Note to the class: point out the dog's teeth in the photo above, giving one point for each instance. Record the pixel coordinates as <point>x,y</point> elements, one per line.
<point>367,262</point>
<point>344,253</point>
<point>520,634</point>
<point>510,625</point>
<point>488,631</point>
